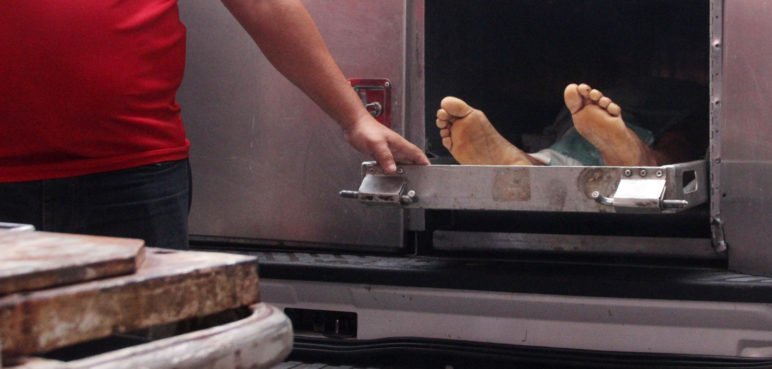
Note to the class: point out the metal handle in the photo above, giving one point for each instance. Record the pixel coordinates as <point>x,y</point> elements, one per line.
<point>348,194</point>
<point>375,94</point>
<point>663,204</point>
<point>375,108</point>
<point>603,200</point>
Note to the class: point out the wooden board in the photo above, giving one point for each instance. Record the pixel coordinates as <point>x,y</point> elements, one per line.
<point>170,286</point>
<point>32,260</point>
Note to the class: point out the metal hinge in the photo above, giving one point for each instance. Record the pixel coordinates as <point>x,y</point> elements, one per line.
<point>382,189</point>
<point>656,189</point>
<point>640,193</point>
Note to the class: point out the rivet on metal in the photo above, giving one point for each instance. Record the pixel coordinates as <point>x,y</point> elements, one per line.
<point>400,171</point>
<point>642,172</point>
<point>628,172</point>
<point>659,173</point>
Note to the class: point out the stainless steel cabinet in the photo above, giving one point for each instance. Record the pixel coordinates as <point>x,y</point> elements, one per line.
<point>267,163</point>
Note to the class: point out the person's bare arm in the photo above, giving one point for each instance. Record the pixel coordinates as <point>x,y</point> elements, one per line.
<point>288,37</point>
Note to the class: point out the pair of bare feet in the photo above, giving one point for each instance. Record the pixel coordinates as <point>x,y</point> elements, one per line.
<point>471,138</point>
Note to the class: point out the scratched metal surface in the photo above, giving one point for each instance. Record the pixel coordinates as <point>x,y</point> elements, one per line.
<point>535,188</point>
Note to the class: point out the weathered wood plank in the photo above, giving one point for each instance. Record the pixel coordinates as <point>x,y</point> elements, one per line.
<point>34,260</point>
<point>170,286</point>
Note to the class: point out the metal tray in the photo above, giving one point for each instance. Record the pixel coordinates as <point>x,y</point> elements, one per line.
<point>663,189</point>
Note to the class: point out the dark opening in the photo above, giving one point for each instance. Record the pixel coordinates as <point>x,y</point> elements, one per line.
<point>512,59</point>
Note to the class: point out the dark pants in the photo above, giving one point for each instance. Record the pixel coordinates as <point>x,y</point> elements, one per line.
<point>149,202</point>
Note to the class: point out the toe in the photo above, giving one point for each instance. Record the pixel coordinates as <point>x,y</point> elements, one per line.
<point>573,99</point>
<point>584,90</point>
<point>455,107</point>
<point>595,95</point>
<point>604,102</point>
<point>448,143</point>
<point>614,109</point>
<point>444,133</point>
<point>442,114</point>
<point>442,123</point>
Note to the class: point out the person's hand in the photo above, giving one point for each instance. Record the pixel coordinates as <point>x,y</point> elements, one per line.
<point>288,37</point>
<point>382,144</point>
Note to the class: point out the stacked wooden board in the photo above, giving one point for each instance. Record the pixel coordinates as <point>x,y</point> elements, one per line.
<point>60,289</point>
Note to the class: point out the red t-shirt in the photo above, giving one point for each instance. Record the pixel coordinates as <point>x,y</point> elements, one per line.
<point>88,86</point>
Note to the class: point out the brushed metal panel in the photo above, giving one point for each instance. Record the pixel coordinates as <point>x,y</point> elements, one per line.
<point>267,163</point>
<point>747,215</point>
<point>746,133</point>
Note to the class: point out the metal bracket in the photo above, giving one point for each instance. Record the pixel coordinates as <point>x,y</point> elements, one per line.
<point>645,190</point>
<point>379,188</point>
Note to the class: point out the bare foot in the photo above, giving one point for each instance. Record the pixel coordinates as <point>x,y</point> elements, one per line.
<point>471,138</point>
<point>599,120</point>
